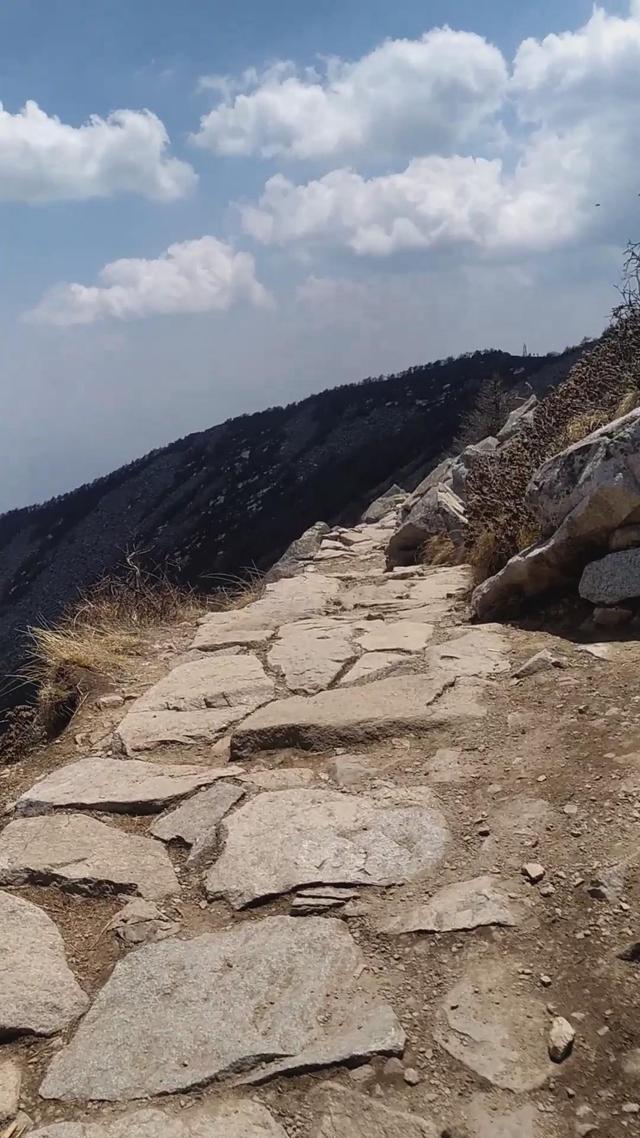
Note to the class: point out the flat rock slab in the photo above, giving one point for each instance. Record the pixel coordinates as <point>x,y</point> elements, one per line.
<point>464,905</point>
<point>312,653</point>
<point>285,601</point>
<point>282,778</point>
<point>284,839</point>
<point>206,1120</point>
<point>372,665</point>
<point>199,815</point>
<point>489,1022</point>
<point>84,856</point>
<point>118,785</point>
<point>10,1085</point>
<point>480,652</point>
<point>195,702</point>
<point>514,825</point>
<point>356,714</point>
<point>395,636</point>
<point>486,1119</point>
<point>348,1114</point>
<point>437,592</point>
<point>450,765</point>
<point>267,997</point>
<point>38,992</point>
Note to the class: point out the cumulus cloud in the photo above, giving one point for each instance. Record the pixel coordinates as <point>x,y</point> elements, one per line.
<point>43,159</point>
<point>571,144</point>
<point>431,93</point>
<point>433,203</point>
<point>194,276</point>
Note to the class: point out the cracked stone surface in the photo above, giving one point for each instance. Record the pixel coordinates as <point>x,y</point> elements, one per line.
<point>464,905</point>
<point>357,714</point>
<point>348,1114</point>
<point>198,815</point>
<point>195,702</point>
<point>495,1028</point>
<point>283,839</point>
<point>480,652</point>
<point>118,785</point>
<point>38,992</point>
<point>312,653</point>
<point>236,1119</point>
<point>281,994</point>
<point>285,601</point>
<point>373,664</point>
<point>85,856</point>
<point>395,636</point>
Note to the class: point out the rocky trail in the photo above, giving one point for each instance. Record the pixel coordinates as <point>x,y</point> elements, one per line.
<point>352,868</point>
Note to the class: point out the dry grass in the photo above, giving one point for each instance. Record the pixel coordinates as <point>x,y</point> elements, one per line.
<point>579,427</point>
<point>484,556</point>
<point>102,638</point>
<point>629,402</point>
<point>438,550</point>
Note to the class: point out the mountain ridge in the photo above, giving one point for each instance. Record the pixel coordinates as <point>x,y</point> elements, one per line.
<point>229,499</point>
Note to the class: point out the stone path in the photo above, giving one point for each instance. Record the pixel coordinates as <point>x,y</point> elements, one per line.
<point>301,855</point>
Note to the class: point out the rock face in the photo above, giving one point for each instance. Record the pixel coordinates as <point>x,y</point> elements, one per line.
<point>10,1084</point>
<point>355,714</point>
<point>613,578</point>
<point>494,1028</point>
<point>127,786</point>
<point>347,1114</point>
<point>287,838</point>
<point>281,994</point>
<point>206,1120</point>
<point>38,992</point>
<point>85,856</point>
<point>579,496</point>
<point>465,905</point>
<point>195,702</point>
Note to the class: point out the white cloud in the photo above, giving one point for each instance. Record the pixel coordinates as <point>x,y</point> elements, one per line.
<point>43,159</point>
<point>572,143</point>
<point>195,276</point>
<point>406,96</point>
<point>433,203</point>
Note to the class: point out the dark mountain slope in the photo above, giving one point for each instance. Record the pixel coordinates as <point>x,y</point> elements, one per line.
<point>233,497</point>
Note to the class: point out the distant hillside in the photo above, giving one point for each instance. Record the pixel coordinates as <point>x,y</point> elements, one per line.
<point>233,497</point>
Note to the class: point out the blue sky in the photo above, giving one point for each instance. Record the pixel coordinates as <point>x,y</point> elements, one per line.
<point>213,207</point>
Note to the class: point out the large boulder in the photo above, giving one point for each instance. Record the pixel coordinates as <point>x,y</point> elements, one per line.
<point>383,505</point>
<point>517,419</point>
<point>613,578</point>
<point>300,551</point>
<point>579,496</point>
<point>438,512</point>
<point>438,506</point>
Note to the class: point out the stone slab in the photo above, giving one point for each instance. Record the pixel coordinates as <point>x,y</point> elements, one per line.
<point>198,815</point>
<point>284,601</point>
<point>235,1119</point>
<point>348,1114</point>
<point>357,714</point>
<point>395,636</point>
<point>373,665</point>
<point>312,653</point>
<point>494,1027</point>
<point>38,992</point>
<point>195,702</point>
<point>84,856</point>
<point>262,998</point>
<point>281,840</point>
<point>464,905</point>
<point>10,1084</point>
<point>118,785</point>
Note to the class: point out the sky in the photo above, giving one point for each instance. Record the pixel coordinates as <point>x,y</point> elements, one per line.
<point>214,207</point>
